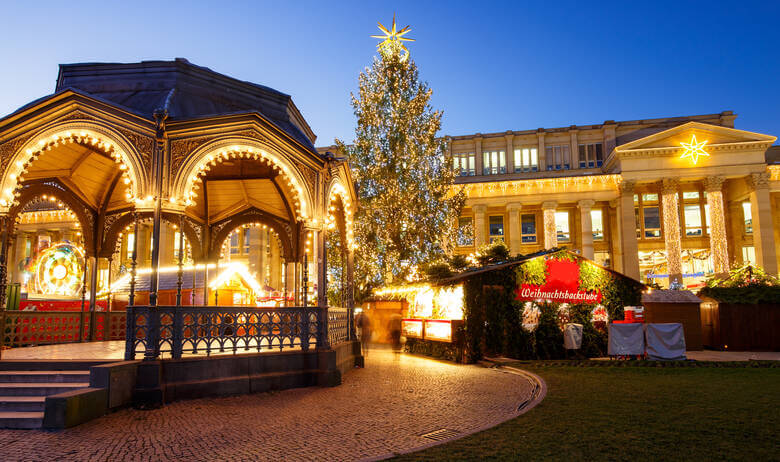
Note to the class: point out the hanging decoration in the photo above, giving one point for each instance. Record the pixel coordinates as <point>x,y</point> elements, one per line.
<point>59,270</point>
<point>694,149</point>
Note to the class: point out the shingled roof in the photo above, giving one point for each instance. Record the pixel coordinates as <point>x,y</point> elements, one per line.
<point>199,92</point>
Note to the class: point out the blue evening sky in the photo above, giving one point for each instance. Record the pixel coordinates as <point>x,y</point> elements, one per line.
<point>493,66</point>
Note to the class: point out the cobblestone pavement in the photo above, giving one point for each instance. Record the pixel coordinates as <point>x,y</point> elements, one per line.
<point>377,411</point>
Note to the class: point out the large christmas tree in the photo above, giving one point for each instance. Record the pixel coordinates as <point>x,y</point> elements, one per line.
<point>407,209</point>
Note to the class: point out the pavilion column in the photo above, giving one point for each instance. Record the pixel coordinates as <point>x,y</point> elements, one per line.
<point>670,214</point>
<point>574,150</point>
<point>513,227</point>
<point>737,228</point>
<point>550,232</point>
<point>586,228</point>
<point>627,228</point>
<point>763,233</point>
<point>322,269</point>
<point>480,225</point>
<point>93,273</point>
<point>713,185</point>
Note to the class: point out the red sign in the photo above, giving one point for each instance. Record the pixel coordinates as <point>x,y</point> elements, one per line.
<point>562,285</point>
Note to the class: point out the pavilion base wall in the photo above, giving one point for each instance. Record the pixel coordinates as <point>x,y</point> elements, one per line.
<point>169,380</point>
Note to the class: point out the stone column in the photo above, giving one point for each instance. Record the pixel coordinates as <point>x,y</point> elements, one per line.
<point>586,227</point>
<point>541,155</point>
<point>615,238</point>
<point>480,238</point>
<point>478,154</point>
<point>763,234</point>
<point>550,233</point>
<point>737,227</point>
<point>670,214</point>
<point>510,152</point>
<point>627,222</point>
<point>513,227</point>
<point>718,241</point>
<point>574,151</point>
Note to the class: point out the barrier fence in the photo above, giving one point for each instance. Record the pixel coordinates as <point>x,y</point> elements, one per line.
<point>152,331</point>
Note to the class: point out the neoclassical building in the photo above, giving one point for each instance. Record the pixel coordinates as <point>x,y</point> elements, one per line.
<point>659,199</point>
<point>216,170</point>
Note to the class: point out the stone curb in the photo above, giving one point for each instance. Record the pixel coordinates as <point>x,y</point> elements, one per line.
<point>537,395</point>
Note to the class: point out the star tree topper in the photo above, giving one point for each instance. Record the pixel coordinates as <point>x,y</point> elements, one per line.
<point>392,40</point>
<point>694,149</point>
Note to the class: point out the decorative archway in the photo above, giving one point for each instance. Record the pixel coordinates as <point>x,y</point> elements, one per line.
<point>97,136</point>
<point>84,214</point>
<point>287,232</point>
<point>200,161</point>
<point>111,238</point>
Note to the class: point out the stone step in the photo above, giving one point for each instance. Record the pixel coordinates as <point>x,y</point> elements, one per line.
<point>43,376</point>
<point>22,403</point>
<point>21,420</point>
<point>50,365</point>
<point>39,389</point>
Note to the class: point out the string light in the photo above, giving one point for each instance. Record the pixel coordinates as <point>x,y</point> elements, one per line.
<point>15,177</point>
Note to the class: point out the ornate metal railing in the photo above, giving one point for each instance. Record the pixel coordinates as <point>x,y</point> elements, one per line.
<point>26,328</point>
<point>338,325</point>
<point>152,331</point>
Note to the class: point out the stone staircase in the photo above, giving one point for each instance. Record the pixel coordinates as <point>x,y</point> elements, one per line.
<point>24,386</point>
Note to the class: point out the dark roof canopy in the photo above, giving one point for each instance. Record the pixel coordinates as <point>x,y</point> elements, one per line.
<point>194,92</point>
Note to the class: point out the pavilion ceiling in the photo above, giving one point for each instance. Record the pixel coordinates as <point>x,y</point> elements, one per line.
<point>90,174</point>
<point>236,185</point>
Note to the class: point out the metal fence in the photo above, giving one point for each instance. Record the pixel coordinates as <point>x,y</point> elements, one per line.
<point>152,331</point>
<point>29,328</point>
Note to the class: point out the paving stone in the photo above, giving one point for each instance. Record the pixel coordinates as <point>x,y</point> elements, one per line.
<point>378,410</point>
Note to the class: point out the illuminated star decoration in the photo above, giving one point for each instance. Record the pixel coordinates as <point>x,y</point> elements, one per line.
<point>393,39</point>
<point>694,149</point>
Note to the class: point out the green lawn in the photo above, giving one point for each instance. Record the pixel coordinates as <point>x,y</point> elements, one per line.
<point>636,413</point>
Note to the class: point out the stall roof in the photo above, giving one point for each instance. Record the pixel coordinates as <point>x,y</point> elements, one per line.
<point>483,269</point>
<point>670,296</point>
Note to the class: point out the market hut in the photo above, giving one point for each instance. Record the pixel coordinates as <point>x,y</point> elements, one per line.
<point>517,308</point>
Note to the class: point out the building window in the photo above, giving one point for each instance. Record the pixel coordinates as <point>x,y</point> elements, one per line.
<point>652,222</point>
<point>496,228</point>
<point>130,242</point>
<point>234,236</point>
<point>648,216</point>
<point>526,160</point>
<point>528,228</point>
<point>601,257</point>
<point>464,164</point>
<point>558,157</point>
<point>562,226</point>
<point>748,214</point>
<point>692,214</point>
<point>749,255</point>
<point>246,235</point>
<point>597,225</point>
<point>493,162</point>
<point>465,236</point>
<point>591,155</point>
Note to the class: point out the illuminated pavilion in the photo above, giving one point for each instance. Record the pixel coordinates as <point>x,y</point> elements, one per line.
<point>219,172</point>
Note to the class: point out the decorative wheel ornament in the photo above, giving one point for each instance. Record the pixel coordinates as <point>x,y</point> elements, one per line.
<point>59,270</point>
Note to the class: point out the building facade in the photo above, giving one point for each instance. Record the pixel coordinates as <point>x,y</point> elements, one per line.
<point>658,200</point>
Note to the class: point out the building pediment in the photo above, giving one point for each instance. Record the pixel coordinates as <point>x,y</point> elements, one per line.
<point>715,136</point>
<point>693,145</point>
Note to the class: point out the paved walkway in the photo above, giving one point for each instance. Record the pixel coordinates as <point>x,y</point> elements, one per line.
<point>377,411</point>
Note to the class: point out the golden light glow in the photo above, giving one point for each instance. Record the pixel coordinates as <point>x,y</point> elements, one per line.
<point>694,149</point>
<point>393,39</point>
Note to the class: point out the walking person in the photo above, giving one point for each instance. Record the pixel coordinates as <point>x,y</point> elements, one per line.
<point>364,326</point>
